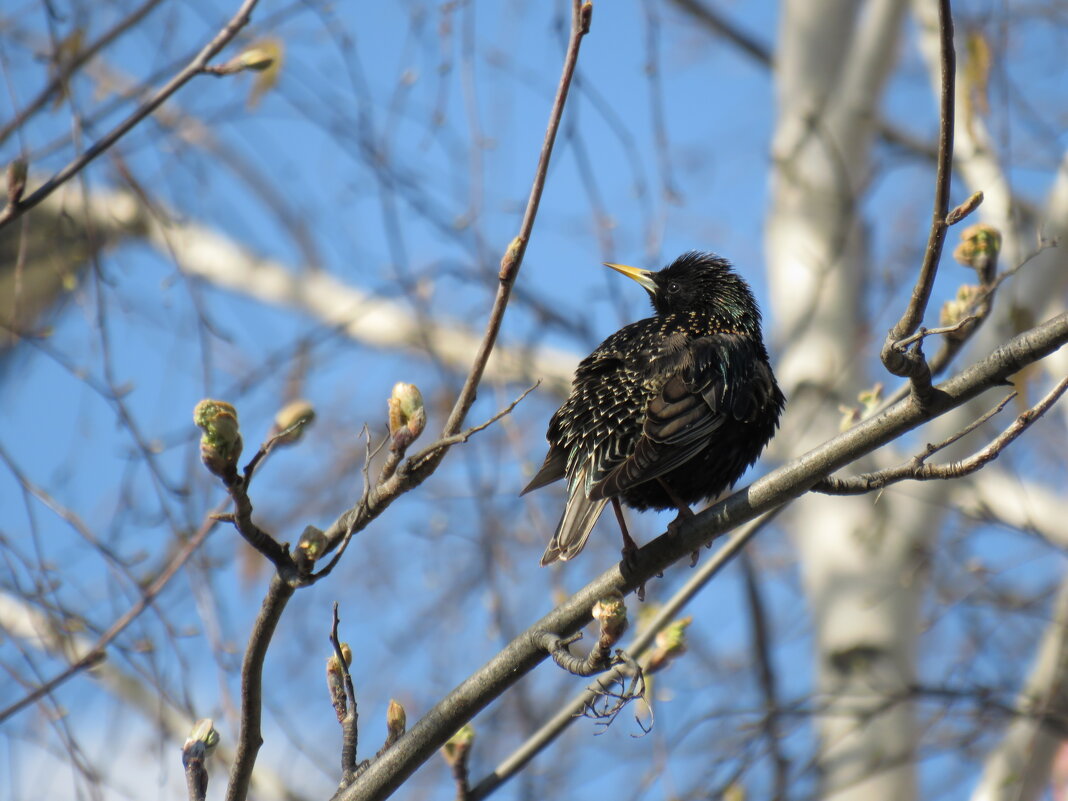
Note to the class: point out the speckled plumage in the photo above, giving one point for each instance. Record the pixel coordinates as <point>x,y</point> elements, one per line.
<point>686,397</point>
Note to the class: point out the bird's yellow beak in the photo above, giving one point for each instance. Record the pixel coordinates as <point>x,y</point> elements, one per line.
<point>643,277</point>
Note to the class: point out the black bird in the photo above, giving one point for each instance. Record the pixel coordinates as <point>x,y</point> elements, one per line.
<point>668,411</point>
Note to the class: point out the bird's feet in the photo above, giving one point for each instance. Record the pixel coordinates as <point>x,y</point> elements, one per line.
<point>674,526</point>
<point>683,515</point>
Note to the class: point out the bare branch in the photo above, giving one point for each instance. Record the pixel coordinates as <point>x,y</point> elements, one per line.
<point>637,647</point>
<point>250,739</point>
<point>581,16</point>
<point>65,71</point>
<point>917,470</point>
<point>219,41</point>
<point>97,651</point>
<point>897,360</point>
<point>762,653</point>
<point>413,473</point>
<point>465,435</point>
<point>344,704</point>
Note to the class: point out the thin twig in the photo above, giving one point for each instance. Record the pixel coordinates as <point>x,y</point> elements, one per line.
<point>923,333</point>
<point>65,71</point>
<point>464,436</point>
<point>98,650</point>
<point>460,775</point>
<point>917,470</point>
<point>766,673</point>
<point>369,454</point>
<point>268,446</point>
<point>219,41</point>
<point>349,719</point>
<point>896,359</point>
<point>512,260</point>
<point>369,507</point>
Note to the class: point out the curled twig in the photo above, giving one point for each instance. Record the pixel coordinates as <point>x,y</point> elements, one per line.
<point>611,615</point>
<point>597,661</point>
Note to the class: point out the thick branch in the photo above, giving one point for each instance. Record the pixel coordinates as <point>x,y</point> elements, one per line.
<point>250,738</point>
<point>773,490</point>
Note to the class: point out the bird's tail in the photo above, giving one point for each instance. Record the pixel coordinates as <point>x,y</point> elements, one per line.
<point>580,514</point>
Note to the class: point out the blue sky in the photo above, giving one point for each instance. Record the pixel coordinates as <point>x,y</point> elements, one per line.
<point>310,137</point>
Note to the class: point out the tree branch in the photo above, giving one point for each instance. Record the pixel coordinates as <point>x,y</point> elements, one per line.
<point>64,72</point>
<point>581,15</point>
<point>416,470</point>
<point>916,468</point>
<point>568,712</point>
<point>790,481</point>
<point>221,39</point>
<point>897,360</point>
<point>97,651</point>
<point>250,739</point>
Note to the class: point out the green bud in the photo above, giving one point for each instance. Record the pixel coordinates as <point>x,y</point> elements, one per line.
<point>979,247</point>
<point>407,416</point>
<point>204,732</point>
<point>457,746</point>
<point>220,444</point>
<point>259,57</point>
<point>335,680</point>
<point>309,548</point>
<point>670,644</point>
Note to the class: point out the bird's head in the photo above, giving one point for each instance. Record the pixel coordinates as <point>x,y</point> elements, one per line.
<point>701,282</point>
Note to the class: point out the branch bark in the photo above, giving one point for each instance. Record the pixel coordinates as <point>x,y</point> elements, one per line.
<point>793,479</point>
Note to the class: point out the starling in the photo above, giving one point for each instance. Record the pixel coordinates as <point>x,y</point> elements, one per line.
<point>668,411</point>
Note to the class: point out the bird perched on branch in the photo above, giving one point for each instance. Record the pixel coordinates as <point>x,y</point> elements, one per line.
<point>668,411</point>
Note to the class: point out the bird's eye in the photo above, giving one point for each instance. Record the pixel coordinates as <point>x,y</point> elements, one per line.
<point>673,287</point>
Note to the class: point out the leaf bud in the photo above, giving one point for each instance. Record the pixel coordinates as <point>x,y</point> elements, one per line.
<point>220,444</point>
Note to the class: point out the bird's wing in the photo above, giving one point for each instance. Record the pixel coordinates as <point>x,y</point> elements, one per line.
<point>712,381</point>
<point>552,469</point>
<point>580,434</point>
<point>580,515</point>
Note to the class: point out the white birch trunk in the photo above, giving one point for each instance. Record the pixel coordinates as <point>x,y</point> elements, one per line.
<point>859,559</point>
